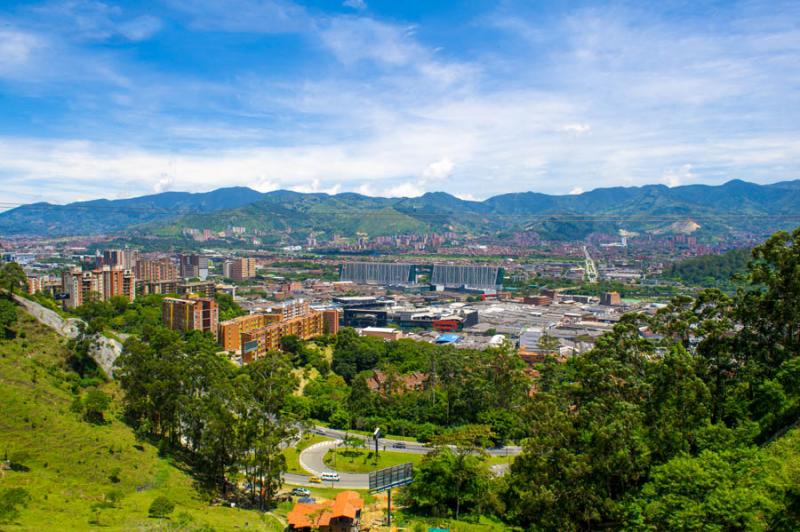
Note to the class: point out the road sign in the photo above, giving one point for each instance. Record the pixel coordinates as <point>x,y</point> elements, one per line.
<point>61,296</point>
<point>391,477</point>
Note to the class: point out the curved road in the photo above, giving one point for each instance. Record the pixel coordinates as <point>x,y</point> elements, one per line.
<point>312,459</point>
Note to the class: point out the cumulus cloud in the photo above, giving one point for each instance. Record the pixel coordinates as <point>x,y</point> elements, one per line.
<point>314,186</point>
<point>677,176</point>
<point>438,170</point>
<point>164,183</point>
<point>592,98</point>
<point>576,190</point>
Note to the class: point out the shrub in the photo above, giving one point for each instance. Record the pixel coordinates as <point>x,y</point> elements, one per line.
<point>161,507</point>
<point>10,502</point>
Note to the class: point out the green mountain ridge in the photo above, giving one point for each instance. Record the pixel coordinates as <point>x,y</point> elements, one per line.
<point>736,206</point>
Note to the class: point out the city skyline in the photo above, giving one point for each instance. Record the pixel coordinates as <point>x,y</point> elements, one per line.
<point>476,99</point>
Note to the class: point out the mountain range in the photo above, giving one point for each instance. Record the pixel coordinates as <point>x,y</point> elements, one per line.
<point>710,211</point>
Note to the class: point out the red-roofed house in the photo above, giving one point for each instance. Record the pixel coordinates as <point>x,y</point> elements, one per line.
<point>340,515</point>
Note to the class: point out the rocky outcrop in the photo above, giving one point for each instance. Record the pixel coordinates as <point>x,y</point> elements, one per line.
<point>104,350</point>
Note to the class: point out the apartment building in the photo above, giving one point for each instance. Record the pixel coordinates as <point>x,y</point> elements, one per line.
<point>242,269</point>
<point>156,270</point>
<point>120,258</point>
<point>192,266</point>
<point>200,288</point>
<point>330,321</point>
<point>257,343</point>
<point>194,314</point>
<point>101,283</point>
<point>230,331</point>
<point>146,288</point>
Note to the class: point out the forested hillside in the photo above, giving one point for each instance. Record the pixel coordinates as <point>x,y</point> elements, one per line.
<point>717,210</point>
<point>710,271</point>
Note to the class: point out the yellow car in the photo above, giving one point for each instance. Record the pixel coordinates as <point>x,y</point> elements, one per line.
<point>315,480</point>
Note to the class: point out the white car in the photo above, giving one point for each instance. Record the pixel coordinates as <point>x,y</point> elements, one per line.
<point>330,476</point>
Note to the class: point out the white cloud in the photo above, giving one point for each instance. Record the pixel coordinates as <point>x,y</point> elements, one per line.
<point>140,28</point>
<point>315,185</point>
<point>404,190</point>
<point>576,129</point>
<point>353,39</point>
<point>677,176</point>
<point>612,98</point>
<point>16,49</point>
<point>355,4</point>
<point>251,16</point>
<point>164,183</point>
<point>576,190</point>
<point>438,170</point>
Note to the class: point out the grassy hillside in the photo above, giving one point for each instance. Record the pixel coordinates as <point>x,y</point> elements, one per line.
<point>69,467</point>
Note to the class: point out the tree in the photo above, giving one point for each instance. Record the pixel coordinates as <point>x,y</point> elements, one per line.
<point>467,472</point>
<point>161,507</point>
<point>548,342</point>
<point>228,308</point>
<point>713,491</point>
<point>271,382</point>
<point>12,277</point>
<point>588,447</point>
<point>94,406</point>
<point>768,344</point>
<point>446,484</point>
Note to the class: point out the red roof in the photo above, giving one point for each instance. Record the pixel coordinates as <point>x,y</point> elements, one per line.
<point>347,504</point>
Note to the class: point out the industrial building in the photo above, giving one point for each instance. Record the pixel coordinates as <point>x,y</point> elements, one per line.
<point>467,276</point>
<point>380,273</point>
<point>441,276</point>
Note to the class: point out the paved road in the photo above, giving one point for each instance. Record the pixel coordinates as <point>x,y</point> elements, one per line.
<point>312,459</point>
<point>407,447</point>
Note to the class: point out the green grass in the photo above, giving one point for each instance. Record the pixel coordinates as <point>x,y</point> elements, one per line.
<point>494,460</point>
<point>70,462</point>
<point>292,454</point>
<point>362,460</point>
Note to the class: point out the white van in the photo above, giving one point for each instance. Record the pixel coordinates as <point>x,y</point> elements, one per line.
<point>330,476</point>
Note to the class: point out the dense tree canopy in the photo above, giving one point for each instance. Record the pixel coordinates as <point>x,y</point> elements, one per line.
<point>661,433</point>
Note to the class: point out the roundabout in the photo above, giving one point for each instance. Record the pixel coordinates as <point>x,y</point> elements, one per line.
<point>312,459</point>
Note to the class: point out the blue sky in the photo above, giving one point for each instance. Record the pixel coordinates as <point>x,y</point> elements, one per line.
<point>392,97</point>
